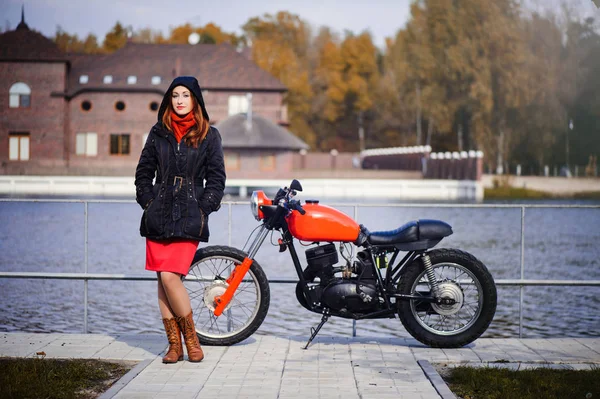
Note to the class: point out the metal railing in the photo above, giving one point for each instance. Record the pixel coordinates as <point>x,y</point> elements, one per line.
<point>86,276</point>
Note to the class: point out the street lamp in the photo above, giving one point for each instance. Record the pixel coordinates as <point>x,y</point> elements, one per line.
<point>567,143</point>
<point>361,132</point>
<point>334,153</point>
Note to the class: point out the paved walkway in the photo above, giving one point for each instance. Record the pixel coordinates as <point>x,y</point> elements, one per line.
<point>278,367</point>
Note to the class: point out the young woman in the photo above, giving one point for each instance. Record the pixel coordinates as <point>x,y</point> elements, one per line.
<point>179,181</point>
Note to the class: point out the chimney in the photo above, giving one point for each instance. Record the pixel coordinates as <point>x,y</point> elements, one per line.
<point>249,112</point>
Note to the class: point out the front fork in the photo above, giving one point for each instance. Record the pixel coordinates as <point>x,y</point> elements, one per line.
<point>238,274</point>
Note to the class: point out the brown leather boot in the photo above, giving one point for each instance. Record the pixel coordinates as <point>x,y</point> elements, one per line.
<point>186,324</point>
<point>175,352</point>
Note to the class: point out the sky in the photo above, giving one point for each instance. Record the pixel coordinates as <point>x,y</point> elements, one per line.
<point>382,18</point>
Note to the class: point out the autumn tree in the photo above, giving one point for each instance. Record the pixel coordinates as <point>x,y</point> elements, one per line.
<point>214,34</point>
<point>463,65</point>
<point>116,38</point>
<point>537,120</point>
<point>579,94</point>
<point>66,42</point>
<point>397,109</point>
<point>90,45</point>
<point>418,66</point>
<point>180,34</point>
<point>208,34</point>
<point>359,81</point>
<point>148,36</point>
<point>280,46</point>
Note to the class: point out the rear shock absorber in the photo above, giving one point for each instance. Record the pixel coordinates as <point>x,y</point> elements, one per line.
<point>433,284</point>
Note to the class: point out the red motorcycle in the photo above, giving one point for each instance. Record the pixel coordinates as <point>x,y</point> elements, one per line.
<point>445,298</point>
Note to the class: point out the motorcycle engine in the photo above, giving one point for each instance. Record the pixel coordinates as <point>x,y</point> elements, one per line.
<point>351,294</point>
<point>320,263</point>
<point>343,295</point>
<point>363,266</point>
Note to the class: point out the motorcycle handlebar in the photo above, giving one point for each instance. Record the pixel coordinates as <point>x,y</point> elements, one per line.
<point>297,206</point>
<point>284,200</point>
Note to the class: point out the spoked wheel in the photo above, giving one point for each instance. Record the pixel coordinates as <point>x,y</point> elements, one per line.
<point>244,314</point>
<point>469,299</point>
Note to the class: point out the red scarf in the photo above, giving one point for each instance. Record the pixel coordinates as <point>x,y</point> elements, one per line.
<point>181,125</point>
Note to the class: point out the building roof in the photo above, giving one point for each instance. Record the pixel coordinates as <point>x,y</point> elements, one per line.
<point>262,133</point>
<point>24,44</point>
<point>217,67</point>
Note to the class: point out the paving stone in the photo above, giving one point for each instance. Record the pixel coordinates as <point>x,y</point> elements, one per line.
<point>558,350</point>
<point>277,367</point>
<point>135,395</point>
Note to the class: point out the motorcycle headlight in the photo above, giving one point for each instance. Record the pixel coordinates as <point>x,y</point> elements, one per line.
<point>257,200</point>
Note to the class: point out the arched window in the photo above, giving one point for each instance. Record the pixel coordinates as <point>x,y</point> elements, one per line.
<point>20,95</point>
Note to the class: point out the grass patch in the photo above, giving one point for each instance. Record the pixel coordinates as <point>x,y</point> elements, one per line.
<point>505,192</point>
<point>515,193</point>
<point>492,383</point>
<point>54,378</point>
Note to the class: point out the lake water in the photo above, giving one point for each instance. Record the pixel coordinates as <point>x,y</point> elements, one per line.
<point>560,243</point>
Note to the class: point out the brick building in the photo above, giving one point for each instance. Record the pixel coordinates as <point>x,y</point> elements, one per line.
<point>257,147</point>
<point>90,114</point>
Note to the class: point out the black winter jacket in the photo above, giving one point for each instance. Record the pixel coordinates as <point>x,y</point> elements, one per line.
<point>178,202</point>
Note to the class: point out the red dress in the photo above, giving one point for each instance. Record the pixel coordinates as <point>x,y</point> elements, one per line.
<point>175,255</point>
<point>170,255</point>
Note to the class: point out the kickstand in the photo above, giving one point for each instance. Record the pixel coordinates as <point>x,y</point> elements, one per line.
<point>315,331</point>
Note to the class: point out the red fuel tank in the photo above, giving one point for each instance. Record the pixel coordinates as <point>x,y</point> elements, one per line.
<point>322,223</point>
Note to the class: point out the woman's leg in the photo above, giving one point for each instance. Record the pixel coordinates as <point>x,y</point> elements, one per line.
<point>175,350</point>
<point>179,301</point>
<point>163,302</point>
<point>176,300</point>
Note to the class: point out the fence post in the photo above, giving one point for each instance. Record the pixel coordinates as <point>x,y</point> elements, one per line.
<point>85,266</point>
<point>522,288</point>
<point>354,320</point>
<point>229,225</point>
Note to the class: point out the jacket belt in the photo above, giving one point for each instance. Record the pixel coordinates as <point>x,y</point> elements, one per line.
<point>177,183</point>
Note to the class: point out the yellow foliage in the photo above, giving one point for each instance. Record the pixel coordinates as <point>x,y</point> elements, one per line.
<point>115,39</point>
<point>180,34</point>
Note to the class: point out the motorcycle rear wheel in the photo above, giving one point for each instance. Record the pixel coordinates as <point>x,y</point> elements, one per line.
<point>248,308</point>
<point>461,277</point>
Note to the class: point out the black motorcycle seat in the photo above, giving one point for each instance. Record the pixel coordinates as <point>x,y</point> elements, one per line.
<point>417,230</point>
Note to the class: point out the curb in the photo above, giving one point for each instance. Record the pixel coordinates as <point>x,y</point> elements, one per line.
<point>436,380</point>
<point>126,379</point>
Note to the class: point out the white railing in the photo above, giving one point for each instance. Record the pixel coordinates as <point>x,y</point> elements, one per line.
<point>86,276</point>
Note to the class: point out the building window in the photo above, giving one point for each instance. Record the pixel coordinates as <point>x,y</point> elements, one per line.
<point>86,144</point>
<point>83,79</point>
<point>232,161</point>
<point>119,144</point>
<point>153,106</point>
<point>20,96</point>
<point>156,80</point>
<point>107,79</point>
<point>131,80</point>
<point>238,105</point>
<point>119,105</point>
<point>18,146</point>
<point>144,139</point>
<point>267,162</point>
<point>86,105</point>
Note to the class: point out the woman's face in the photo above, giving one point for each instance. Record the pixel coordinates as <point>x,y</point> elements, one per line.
<point>181,99</point>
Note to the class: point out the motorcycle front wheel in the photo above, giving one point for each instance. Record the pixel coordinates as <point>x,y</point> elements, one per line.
<point>464,280</point>
<point>207,278</point>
